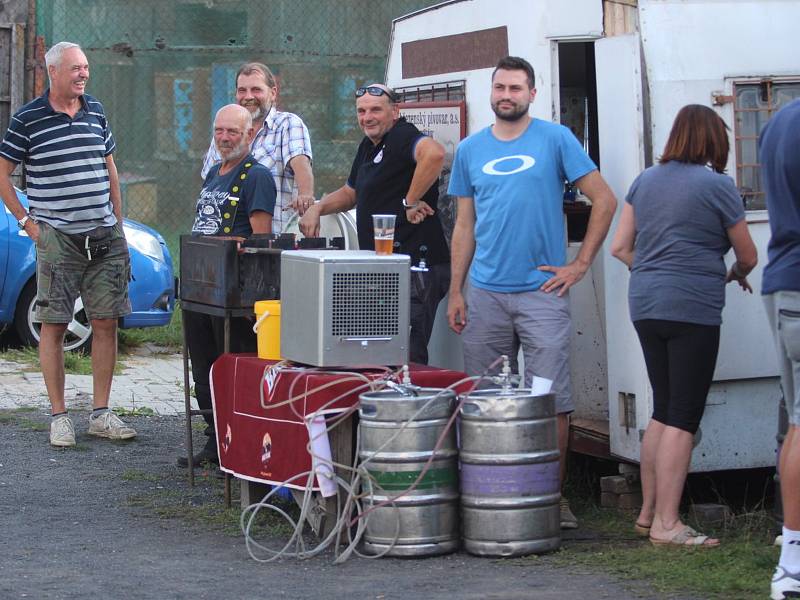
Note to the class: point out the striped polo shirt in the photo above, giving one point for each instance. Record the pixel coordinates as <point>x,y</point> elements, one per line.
<point>65,163</point>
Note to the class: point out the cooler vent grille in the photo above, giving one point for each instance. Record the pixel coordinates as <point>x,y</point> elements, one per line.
<point>365,304</point>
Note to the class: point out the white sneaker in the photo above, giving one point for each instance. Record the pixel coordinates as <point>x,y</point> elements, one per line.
<point>109,425</point>
<point>785,584</point>
<point>62,432</point>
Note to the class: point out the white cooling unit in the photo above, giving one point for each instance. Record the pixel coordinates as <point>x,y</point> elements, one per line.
<point>344,308</point>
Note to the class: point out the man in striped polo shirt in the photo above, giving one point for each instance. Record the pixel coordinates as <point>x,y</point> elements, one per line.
<point>75,218</point>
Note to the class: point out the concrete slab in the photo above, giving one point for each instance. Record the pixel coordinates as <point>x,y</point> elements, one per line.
<point>150,379</point>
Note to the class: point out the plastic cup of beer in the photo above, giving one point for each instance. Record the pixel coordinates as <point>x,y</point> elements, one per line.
<point>384,233</point>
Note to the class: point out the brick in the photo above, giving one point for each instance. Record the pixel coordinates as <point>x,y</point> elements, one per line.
<point>629,501</point>
<point>608,499</point>
<point>709,513</point>
<point>618,484</point>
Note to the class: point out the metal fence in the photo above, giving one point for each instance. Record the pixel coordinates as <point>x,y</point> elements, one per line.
<point>162,68</point>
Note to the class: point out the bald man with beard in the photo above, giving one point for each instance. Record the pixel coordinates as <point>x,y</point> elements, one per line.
<point>237,199</point>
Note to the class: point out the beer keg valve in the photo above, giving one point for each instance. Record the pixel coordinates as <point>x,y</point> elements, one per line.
<point>505,375</point>
<point>403,389</point>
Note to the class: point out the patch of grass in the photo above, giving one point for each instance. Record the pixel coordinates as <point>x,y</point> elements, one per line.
<point>75,363</point>
<point>138,475</point>
<point>27,356</point>
<point>6,418</point>
<point>203,506</point>
<point>78,363</point>
<point>31,425</point>
<point>740,568</point>
<point>169,337</point>
<point>144,411</point>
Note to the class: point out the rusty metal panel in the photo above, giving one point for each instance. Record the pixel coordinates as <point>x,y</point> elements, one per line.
<point>12,74</point>
<point>12,61</point>
<point>452,53</point>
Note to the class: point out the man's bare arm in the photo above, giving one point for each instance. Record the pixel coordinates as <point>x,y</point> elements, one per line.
<point>341,200</point>
<point>10,198</point>
<point>304,177</point>
<point>113,187</point>
<point>429,155</point>
<point>260,221</point>
<point>603,206</point>
<point>462,249</point>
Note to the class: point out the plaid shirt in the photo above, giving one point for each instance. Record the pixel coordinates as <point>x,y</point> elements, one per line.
<point>283,136</point>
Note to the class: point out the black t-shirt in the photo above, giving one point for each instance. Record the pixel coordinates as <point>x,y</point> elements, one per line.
<point>380,175</point>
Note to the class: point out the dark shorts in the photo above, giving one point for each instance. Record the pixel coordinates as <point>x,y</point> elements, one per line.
<point>64,272</point>
<point>680,359</point>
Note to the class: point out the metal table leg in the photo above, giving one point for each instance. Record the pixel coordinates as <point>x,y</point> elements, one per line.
<point>188,405</point>
<point>226,346</point>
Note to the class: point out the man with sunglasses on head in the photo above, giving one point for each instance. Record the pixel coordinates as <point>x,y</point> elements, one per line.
<point>395,171</point>
<point>281,143</point>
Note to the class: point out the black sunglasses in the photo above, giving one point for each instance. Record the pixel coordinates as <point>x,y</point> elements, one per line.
<point>374,90</point>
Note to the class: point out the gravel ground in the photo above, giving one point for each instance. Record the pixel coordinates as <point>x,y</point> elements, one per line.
<point>118,520</point>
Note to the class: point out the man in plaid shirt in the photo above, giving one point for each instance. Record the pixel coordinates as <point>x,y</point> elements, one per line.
<point>282,143</point>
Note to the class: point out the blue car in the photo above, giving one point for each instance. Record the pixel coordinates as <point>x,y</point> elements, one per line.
<point>151,290</point>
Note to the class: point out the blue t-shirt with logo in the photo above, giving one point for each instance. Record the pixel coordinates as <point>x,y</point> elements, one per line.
<point>518,188</point>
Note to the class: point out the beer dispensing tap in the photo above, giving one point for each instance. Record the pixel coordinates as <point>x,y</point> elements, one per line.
<point>422,265</point>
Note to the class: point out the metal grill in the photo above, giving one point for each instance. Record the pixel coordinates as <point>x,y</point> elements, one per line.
<point>365,304</point>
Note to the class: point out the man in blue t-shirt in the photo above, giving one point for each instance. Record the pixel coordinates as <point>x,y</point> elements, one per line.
<point>780,172</point>
<point>509,180</point>
<point>238,199</point>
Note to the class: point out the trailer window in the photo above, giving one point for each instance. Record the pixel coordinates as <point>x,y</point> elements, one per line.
<point>451,91</point>
<point>755,103</point>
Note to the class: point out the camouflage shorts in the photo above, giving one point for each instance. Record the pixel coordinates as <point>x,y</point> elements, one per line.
<point>64,272</point>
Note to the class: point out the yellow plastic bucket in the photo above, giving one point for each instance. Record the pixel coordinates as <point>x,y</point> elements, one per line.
<point>268,329</point>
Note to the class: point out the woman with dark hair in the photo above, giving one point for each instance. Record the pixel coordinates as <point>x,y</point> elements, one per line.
<point>679,220</point>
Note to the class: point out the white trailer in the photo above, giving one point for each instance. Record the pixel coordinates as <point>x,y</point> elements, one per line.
<point>617,72</point>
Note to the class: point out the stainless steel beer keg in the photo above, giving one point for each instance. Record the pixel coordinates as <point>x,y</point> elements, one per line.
<point>510,486</point>
<point>423,522</point>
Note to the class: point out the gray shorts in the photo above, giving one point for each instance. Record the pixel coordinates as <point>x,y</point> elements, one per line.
<point>64,272</point>
<point>783,311</point>
<point>499,323</point>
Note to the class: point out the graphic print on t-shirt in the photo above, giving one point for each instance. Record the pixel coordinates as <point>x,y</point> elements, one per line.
<point>493,167</point>
<point>209,211</point>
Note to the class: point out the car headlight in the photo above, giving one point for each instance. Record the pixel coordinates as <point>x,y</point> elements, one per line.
<point>144,243</point>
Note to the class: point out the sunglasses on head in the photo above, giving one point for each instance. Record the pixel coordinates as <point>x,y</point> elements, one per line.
<point>374,90</point>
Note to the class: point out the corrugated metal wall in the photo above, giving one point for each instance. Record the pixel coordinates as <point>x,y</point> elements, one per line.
<point>163,67</point>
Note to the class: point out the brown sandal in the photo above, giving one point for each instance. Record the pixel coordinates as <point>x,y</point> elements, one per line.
<point>641,530</point>
<point>687,537</point>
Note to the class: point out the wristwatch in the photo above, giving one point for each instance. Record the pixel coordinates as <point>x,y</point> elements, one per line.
<point>23,221</point>
<point>407,205</point>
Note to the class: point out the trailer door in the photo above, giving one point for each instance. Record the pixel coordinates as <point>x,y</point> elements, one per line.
<point>622,134</point>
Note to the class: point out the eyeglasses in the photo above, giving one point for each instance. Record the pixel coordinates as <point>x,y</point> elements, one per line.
<point>374,90</point>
